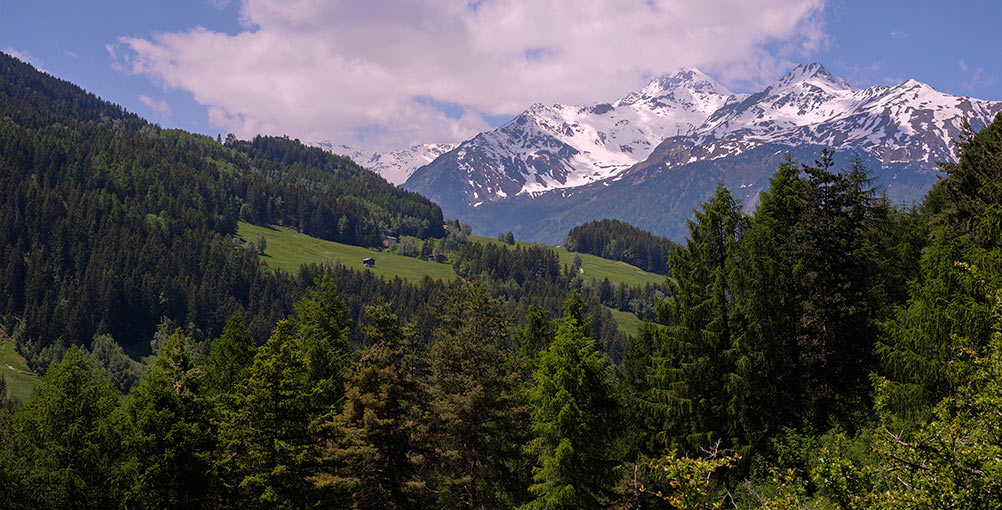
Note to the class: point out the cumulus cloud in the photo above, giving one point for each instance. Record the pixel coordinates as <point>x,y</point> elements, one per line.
<point>160,108</point>
<point>352,72</point>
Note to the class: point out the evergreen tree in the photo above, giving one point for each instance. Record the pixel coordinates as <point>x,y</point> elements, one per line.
<point>923,345</point>
<point>168,435</point>
<point>475,404</point>
<point>268,451</point>
<point>68,434</point>
<point>230,357</point>
<point>380,449</point>
<point>321,325</point>
<point>763,392</point>
<point>834,267</point>
<point>109,356</point>
<point>688,389</point>
<point>575,418</point>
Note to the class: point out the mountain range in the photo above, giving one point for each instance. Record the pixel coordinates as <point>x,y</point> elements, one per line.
<point>652,156</point>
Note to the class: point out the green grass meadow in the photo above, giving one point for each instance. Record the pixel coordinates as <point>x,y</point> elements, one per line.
<point>287,250</point>
<point>595,267</point>
<point>13,368</point>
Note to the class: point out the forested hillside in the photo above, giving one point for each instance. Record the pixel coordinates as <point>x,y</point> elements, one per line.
<point>617,240</point>
<point>111,223</point>
<point>827,351</point>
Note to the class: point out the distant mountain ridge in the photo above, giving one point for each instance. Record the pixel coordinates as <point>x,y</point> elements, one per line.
<point>395,165</point>
<point>559,146</point>
<point>549,157</point>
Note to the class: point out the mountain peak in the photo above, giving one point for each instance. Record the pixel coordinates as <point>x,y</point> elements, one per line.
<point>815,74</point>
<point>685,78</point>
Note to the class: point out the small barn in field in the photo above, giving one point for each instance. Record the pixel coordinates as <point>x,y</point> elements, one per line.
<point>369,262</point>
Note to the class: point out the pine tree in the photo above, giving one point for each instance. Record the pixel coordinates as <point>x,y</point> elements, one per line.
<point>763,392</point>
<point>68,433</point>
<point>380,449</point>
<point>230,357</point>
<point>575,418</point>
<point>688,387</point>
<point>475,405</point>
<point>168,434</point>
<point>268,451</point>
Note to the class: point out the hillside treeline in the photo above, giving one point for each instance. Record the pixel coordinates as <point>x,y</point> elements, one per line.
<point>617,240</point>
<point>111,223</point>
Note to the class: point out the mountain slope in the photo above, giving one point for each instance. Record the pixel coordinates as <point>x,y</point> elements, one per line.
<point>900,132</point>
<point>394,166</point>
<point>559,146</point>
<point>112,223</point>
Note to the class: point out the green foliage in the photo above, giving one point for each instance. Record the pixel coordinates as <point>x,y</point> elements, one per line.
<point>267,446</point>
<point>691,367</point>
<point>66,438</point>
<point>110,357</point>
<point>767,308</point>
<point>321,325</point>
<point>954,460</point>
<point>617,240</point>
<point>574,416</point>
<point>476,406</point>
<point>381,434</point>
<point>230,357</point>
<point>168,435</point>
<point>688,483</point>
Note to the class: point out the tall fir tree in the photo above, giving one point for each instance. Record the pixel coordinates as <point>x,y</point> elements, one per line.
<point>168,434</point>
<point>230,357</point>
<point>380,449</point>
<point>575,418</point>
<point>268,449</point>
<point>688,388</point>
<point>836,330</point>
<point>763,392</point>
<point>321,325</point>
<point>476,405</point>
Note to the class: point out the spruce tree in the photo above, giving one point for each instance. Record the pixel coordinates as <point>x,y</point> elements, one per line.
<point>688,387</point>
<point>838,313</point>
<point>268,450</point>
<point>230,357</point>
<point>379,450</point>
<point>321,325</point>
<point>168,435</point>
<point>764,391</point>
<point>575,420</point>
<point>475,404</point>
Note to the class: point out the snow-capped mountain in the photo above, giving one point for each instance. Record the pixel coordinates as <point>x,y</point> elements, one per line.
<point>650,157</point>
<point>394,166</point>
<point>560,146</point>
<point>906,123</point>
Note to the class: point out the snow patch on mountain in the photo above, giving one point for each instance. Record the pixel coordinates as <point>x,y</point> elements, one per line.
<point>395,165</point>
<point>565,146</point>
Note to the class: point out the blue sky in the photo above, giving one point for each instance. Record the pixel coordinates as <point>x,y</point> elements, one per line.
<point>436,71</point>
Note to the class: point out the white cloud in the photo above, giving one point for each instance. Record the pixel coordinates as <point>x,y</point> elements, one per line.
<point>963,66</point>
<point>349,71</point>
<point>160,108</point>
